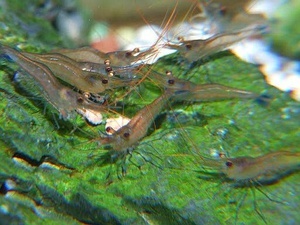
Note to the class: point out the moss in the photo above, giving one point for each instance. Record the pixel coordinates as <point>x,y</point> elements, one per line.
<point>164,185</point>
<point>285,32</point>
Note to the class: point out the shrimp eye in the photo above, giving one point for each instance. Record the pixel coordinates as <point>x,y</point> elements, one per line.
<point>229,164</point>
<point>126,135</point>
<point>128,54</point>
<point>108,129</point>
<point>104,81</point>
<point>108,69</point>
<point>80,100</point>
<point>188,46</point>
<point>171,81</point>
<point>223,11</point>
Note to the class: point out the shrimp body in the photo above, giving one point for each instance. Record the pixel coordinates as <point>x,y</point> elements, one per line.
<point>248,168</point>
<point>83,54</point>
<point>64,99</point>
<point>184,90</point>
<point>211,92</point>
<point>70,71</point>
<point>138,126</point>
<point>194,50</point>
<point>229,15</point>
<point>117,58</point>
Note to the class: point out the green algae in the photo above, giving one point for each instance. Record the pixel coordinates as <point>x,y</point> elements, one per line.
<point>161,185</point>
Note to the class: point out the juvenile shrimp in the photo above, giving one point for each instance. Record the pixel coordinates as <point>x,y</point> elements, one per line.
<point>194,50</point>
<point>64,99</point>
<point>69,71</point>
<point>137,128</point>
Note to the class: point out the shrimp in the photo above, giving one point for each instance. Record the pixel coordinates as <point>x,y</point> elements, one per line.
<point>226,15</point>
<point>69,71</point>
<point>123,72</point>
<point>256,171</point>
<point>117,58</point>
<point>262,167</point>
<point>212,92</point>
<point>64,99</point>
<point>194,50</point>
<point>137,128</point>
<point>184,90</point>
<point>83,54</point>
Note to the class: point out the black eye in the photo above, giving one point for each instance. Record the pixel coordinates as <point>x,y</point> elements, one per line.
<point>229,164</point>
<point>188,46</point>
<point>171,82</point>
<point>104,81</point>
<point>80,100</point>
<point>128,54</point>
<point>126,135</point>
<point>108,129</point>
<point>108,69</point>
<point>223,11</point>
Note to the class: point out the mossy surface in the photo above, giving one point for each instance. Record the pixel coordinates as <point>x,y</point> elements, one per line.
<point>162,185</point>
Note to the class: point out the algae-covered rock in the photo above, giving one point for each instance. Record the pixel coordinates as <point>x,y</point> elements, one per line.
<point>52,171</point>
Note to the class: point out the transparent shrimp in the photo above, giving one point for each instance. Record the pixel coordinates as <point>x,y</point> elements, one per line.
<point>124,72</point>
<point>184,90</point>
<point>212,92</point>
<point>137,128</point>
<point>69,71</point>
<point>83,54</point>
<point>194,50</point>
<point>64,99</point>
<point>117,58</point>
<point>227,15</point>
<point>262,167</point>
<point>254,172</point>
